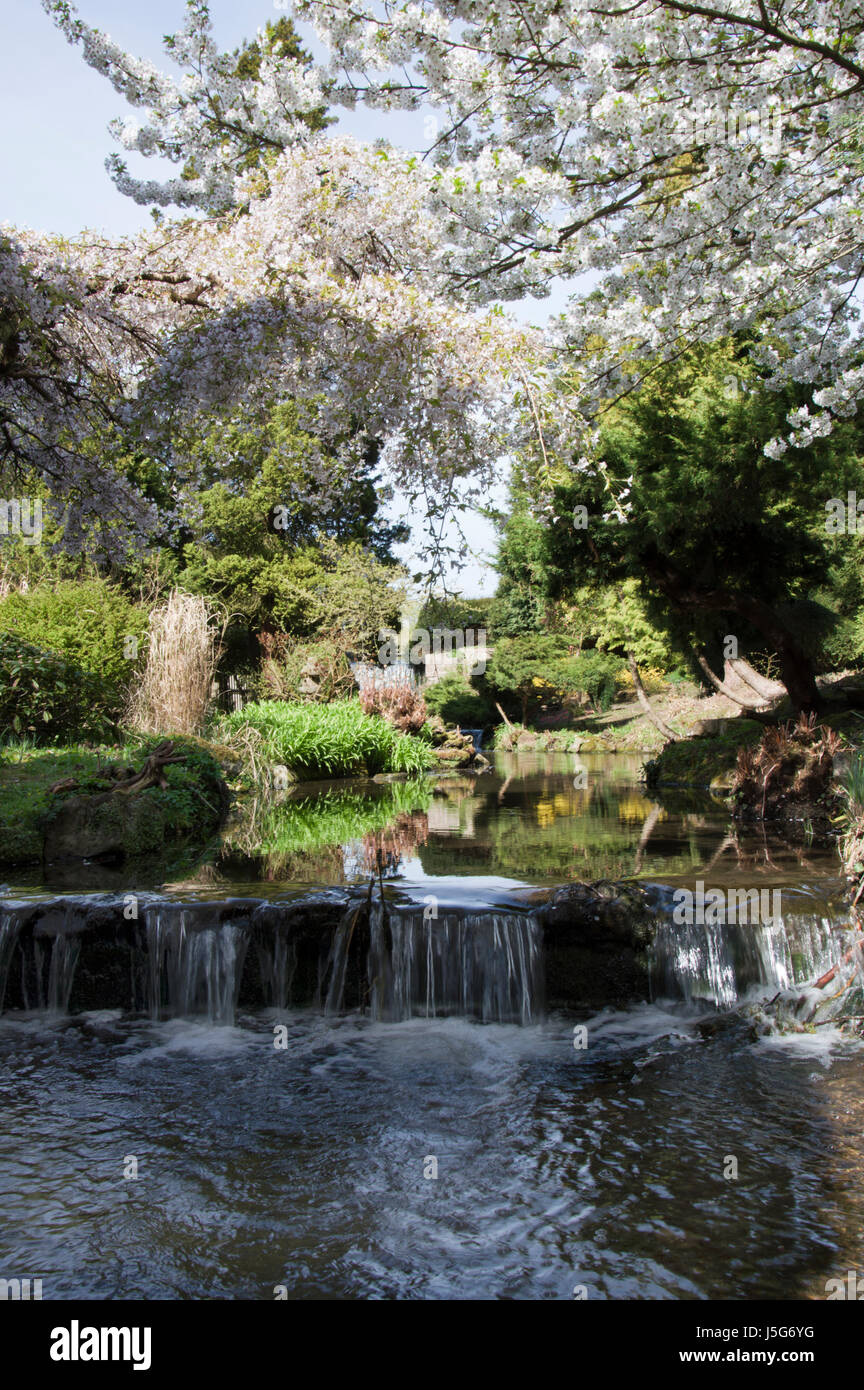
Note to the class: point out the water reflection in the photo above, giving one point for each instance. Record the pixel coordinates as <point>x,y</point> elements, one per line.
<point>535,818</point>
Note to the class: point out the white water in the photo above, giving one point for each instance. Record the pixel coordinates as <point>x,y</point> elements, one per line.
<point>397,963</point>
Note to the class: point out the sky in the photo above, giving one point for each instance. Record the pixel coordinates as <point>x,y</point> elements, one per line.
<point>54,112</point>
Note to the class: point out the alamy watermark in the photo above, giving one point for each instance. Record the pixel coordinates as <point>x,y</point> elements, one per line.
<point>20,1290</point>
<point>845,515</point>
<point>414,648</point>
<point>760,126</point>
<point>716,905</point>
<point>22,517</point>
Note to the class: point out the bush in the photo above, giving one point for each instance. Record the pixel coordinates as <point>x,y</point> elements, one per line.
<point>336,740</point>
<point>397,702</point>
<point>654,681</point>
<point>592,672</point>
<point>87,622</point>
<point>48,699</point>
<point>457,702</point>
<point>188,808</point>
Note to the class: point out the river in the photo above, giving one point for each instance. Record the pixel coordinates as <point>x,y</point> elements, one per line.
<point>449,1136</point>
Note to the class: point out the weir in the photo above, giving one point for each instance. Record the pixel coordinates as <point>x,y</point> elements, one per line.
<point>342,950</point>
<point>478,965</point>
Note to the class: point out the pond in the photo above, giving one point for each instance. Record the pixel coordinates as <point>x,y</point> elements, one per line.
<point>222,1132</point>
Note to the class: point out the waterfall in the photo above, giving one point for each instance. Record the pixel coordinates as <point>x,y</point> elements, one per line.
<point>720,962</point>
<point>46,963</point>
<point>277,962</point>
<point>10,927</point>
<point>193,970</point>
<point>65,950</point>
<point>482,965</point>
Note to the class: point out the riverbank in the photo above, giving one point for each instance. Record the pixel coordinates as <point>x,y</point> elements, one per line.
<point>120,802</point>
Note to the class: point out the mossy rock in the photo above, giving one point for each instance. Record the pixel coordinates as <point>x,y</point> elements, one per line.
<point>92,819</point>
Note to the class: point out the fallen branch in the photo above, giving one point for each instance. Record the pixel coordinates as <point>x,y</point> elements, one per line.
<point>151,775</point>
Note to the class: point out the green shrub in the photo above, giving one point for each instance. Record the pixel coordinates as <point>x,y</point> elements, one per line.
<point>843,648</point>
<point>48,699</point>
<point>86,621</point>
<point>457,702</point>
<point>336,740</point>
<point>187,809</point>
<point>592,672</point>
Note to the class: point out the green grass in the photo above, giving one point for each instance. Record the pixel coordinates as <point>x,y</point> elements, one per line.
<point>853,786</point>
<point>334,740</point>
<point>703,759</point>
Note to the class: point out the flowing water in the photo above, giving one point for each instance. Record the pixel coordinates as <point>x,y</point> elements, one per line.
<point>239,1085</point>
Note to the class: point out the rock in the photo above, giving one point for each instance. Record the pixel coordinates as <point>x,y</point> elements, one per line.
<point>596,943</point>
<point>123,824</point>
<point>842,765</point>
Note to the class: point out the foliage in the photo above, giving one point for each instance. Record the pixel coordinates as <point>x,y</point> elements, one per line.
<point>456,701</point>
<point>295,670</point>
<point>657,494</point>
<point>188,808</point>
<point>458,614</point>
<point>525,566</point>
<point>789,766</point>
<point>704,760</point>
<point>89,622</point>
<point>522,666</point>
<point>654,682</point>
<point>287,534</point>
<point>397,702</point>
<point>335,740</point>
<point>614,617</point>
<point>592,672</point>
<point>48,698</point>
<point>279,829</point>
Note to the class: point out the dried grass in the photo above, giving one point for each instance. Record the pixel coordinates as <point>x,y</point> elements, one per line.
<point>183,650</point>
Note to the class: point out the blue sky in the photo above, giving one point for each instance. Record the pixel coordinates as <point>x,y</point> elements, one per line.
<point>55,112</point>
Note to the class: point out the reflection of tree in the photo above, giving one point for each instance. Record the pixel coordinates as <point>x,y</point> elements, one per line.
<point>384,850</point>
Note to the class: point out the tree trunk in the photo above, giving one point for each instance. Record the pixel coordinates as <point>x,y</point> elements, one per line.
<point>799,679</point>
<point>724,689</point>
<point>768,689</point>
<point>645,702</point>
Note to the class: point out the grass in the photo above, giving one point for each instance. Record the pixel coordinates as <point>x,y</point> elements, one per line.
<point>705,759</point>
<point>851,819</point>
<point>320,741</point>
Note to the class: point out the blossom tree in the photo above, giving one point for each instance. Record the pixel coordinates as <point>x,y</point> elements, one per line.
<point>323,286</point>
<point>704,158</point>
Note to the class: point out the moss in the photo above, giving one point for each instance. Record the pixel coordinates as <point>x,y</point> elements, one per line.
<point>707,760</point>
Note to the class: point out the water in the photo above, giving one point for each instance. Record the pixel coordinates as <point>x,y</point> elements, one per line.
<point>485,965</point>
<point>304,1168</point>
<point>372,1097</point>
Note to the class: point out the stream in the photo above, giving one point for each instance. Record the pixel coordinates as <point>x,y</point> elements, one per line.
<point>341,1057</point>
